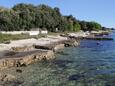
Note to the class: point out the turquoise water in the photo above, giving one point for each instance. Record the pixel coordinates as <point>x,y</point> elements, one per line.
<point>86,65</point>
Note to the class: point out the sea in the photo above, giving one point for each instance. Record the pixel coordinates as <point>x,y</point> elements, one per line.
<point>92,63</point>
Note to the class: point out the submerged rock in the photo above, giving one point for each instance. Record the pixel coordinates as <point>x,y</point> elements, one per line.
<point>62,53</point>
<point>19,70</point>
<point>75,77</point>
<point>6,77</point>
<point>12,83</point>
<point>62,63</point>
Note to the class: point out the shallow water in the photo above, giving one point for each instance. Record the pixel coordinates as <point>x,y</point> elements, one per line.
<point>86,65</point>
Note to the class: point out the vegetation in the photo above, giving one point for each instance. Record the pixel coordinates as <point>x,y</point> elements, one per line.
<point>27,16</point>
<point>6,38</point>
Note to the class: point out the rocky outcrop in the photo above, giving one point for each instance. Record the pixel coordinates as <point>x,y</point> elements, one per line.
<point>25,54</point>
<point>25,58</point>
<point>55,47</point>
<point>58,47</point>
<point>46,47</point>
<point>22,48</point>
<point>71,43</point>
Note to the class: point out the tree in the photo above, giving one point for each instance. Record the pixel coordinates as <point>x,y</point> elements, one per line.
<point>94,26</point>
<point>27,16</point>
<point>6,23</point>
<point>83,25</point>
<point>77,27</point>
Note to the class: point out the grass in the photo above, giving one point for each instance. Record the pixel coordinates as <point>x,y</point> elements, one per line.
<point>6,38</point>
<point>9,37</point>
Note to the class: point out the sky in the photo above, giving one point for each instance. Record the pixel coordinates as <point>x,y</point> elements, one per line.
<point>101,11</point>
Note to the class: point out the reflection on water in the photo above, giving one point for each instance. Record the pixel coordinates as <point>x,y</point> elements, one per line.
<point>87,65</point>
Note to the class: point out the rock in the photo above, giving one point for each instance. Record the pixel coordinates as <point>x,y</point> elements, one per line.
<point>7,77</point>
<point>25,58</point>
<point>10,53</point>
<point>55,47</point>
<point>62,53</point>
<point>76,43</point>
<point>7,42</point>
<point>75,77</point>
<point>22,48</point>
<point>46,47</point>
<point>71,43</point>
<point>58,47</point>
<point>19,70</point>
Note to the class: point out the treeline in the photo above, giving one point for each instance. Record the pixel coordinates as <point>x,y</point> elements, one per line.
<point>27,16</point>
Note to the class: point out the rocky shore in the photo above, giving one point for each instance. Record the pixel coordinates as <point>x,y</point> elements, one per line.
<point>21,53</point>
<point>19,59</point>
<point>24,52</point>
<point>27,51</point>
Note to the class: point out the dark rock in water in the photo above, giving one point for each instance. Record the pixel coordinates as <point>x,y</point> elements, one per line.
<point>62,53</point>
<point>19,70</point>
<point>75,77</point>
<point>98,43</point>
<point>62,63</point>
<point>13,83</point>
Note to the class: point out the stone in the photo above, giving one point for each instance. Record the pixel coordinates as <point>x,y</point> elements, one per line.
<point>22,48</point>
<point>75,77</point>
<point>19,70</point>
<point>25,58</point>
<point>72,43</point>
<point>58,47</point>
<point>6,77</point>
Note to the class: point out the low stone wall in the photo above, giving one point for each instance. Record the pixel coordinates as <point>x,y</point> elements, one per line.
<point>25,58</point>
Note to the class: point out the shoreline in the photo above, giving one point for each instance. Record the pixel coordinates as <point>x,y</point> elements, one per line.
<point>22,51</point>
<point>22,56</point>
<point>28,51</point>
